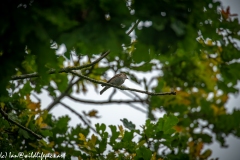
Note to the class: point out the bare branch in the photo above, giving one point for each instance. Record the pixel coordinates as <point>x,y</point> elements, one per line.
<point>134,26</point>
<point>38,99</point>
<point>5,115</point>
<point>137,108</point>
<point>63,70</point>
<point>57,100</point>
<point>123,88</point>
<point>112,94</point>
<point>106,102</point>
<point>80,116</point>
<point>136,96</point>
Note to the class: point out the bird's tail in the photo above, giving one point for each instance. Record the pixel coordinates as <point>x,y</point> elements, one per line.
<point>104,89</point>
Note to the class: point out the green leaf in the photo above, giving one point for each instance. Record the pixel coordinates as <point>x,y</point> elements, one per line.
<point>61,125</point>
<point>61,80</point>
<point>23,133</point>
<point>115,134</point>
<point>160,124</point>
<point>150,129</point>
<point>166,124</point>
<point>128,124</point>
<point>5,123</point>
<point>100,128</point>
<point>143,153</point>
<point>46,133</point>
<point>170,121</point>
<point>103,145</point>
<point>204,137</point>
<point>128,136</point>
<point>26,89</point>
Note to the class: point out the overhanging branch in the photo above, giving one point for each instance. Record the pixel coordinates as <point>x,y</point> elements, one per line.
<point>106,102</point>
<point>5,115</point>
<point>134,26</point>
<point>122,88</point>
<point>62,70</point>
<point>80,116</point>
<point>63,94</point>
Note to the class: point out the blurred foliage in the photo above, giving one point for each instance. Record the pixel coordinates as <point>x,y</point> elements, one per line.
<point>191,44</point>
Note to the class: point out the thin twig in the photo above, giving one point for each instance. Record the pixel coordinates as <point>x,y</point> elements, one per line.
<point>139,98</point>
<point>134,26</point>
<point>62,70</point>
<point>123,88</point>
<point>136,95</point>
<point>137,108</point>
<point>80,116</point>
<point>127,94</point>
<point>112,94</point>
<point>38,99</point>
<point>5,115</point>
<point>106,102</point>
<point>57,100</point>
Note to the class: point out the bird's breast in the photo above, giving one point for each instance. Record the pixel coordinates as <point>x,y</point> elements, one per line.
<point>118,81</point>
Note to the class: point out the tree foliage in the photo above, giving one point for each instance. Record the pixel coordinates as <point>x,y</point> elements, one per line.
<point>192,45</point>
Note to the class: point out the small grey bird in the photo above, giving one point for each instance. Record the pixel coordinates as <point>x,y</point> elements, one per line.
<point>117,80</point>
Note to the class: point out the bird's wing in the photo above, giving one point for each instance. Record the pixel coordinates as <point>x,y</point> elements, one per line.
<point>112,78</point>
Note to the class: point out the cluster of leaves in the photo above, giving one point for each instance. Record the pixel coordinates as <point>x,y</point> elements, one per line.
<point>161,136</point>
<point>57,131</point>
<point>190,44</point>
<point>122,145</point>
